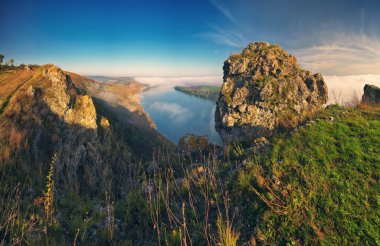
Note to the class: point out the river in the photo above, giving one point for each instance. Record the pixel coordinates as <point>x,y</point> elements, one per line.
<point>176,113</point>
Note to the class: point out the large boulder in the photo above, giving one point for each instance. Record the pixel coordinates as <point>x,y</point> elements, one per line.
<point>264,88</point>
<point>371,95</point>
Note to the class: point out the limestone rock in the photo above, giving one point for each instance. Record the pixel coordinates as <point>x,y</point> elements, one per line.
<point>74,109</point>
<point>56,96</point>
<point>192,143</point>
<point>104,122</point>
<point>264,88</point>
<point>371,95</point>
<point>30,91</point>
<point>83,113</point>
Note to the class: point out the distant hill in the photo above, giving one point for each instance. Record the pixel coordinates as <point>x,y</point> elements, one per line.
<point>205,92</point>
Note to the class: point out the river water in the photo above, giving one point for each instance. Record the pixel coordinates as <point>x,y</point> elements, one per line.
<point>176,113</point>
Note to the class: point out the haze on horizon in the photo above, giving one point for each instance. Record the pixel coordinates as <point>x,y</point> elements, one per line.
<point>189,38</point>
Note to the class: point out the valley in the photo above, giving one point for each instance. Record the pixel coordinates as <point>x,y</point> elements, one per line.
<point>189,123</point>
<point>96,162</point>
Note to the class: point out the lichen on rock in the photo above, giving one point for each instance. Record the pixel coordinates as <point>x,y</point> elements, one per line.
<point>264,88</point>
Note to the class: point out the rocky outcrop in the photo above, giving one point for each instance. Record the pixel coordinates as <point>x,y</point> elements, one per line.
<point>83,113</point>
<point>49,114</point>
<point>371,95</point>
<point>56,95</point>
<point>192,143</point>
<point>264,88</point>
<point>61,97</point>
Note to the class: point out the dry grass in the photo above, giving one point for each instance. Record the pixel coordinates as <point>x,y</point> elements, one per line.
<point>15,226</point>
<point>110,217</point>
<point>291,119</point>
<point>204,197</point>
<point>15,137</point>
<point>11,81</point>
<point>368,107</point>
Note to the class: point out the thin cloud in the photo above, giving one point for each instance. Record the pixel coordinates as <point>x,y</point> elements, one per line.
<point>223,10</point>
<point>224,37</point>
<point>344,55</point>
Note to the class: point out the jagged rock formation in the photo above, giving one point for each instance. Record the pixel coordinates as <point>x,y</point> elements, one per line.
<point>371,95</point>
<point>264,88</point>
<point>61,99</point>
<point>192,143</point>
<point>46,112</point>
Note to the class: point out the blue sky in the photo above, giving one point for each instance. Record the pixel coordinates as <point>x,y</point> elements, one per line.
<point>188,38</point>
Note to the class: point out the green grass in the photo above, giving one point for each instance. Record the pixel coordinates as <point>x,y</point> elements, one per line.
<point>328,176</point>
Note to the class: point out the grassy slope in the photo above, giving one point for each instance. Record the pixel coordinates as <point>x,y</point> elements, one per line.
<point>319,184</point>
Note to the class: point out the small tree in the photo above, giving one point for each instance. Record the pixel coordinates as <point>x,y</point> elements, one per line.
<point>1,58</point>
<point>11,61</point>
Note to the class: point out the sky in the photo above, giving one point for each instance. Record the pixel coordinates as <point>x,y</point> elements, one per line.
<point>189,38</point>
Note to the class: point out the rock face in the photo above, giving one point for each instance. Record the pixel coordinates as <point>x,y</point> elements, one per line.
<point>61,98</point>
<point>264,88</point>
<point>192,143</point>
<point>371,95</point>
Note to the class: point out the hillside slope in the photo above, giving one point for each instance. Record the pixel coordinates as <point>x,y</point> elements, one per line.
<point>46,111</point>
<point>120,100</point>
<point>316,185</point>
<point>319,183</point>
